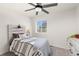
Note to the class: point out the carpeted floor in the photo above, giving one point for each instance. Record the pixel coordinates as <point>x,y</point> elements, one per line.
<point>59,51</point>
<point>55,51</point>
<point>8,54</point>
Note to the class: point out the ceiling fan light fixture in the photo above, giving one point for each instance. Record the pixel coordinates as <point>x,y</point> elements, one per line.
<point>38,9</point>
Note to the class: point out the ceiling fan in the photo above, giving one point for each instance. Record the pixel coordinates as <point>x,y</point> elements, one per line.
<point>40,7</point>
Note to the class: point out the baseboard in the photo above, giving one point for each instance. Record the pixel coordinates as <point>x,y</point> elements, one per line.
<point>59,47</point>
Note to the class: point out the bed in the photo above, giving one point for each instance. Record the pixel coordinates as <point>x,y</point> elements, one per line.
<point>18,35</point>
<point>40,43</point>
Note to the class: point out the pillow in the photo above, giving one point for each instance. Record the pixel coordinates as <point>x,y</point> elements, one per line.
<point>13,37</point>
<point>23,36</point>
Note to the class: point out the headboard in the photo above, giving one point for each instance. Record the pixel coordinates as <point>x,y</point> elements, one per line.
<point>14,31</point>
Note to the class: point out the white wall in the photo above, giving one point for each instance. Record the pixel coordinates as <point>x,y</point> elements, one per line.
<point>8,16</point>
<point>77,17</point>
<point>60,26</point>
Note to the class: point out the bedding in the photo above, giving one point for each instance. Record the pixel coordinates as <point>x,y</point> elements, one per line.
<point>24,36</point>
<point>41,43</point>
<point>24,49</point>
<point>13,37</point>
<point>20,45</point>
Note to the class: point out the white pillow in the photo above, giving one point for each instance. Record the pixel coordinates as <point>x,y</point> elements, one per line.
<point>23,36</point>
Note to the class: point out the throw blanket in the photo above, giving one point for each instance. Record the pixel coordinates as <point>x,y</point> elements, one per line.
<point>24,49</point>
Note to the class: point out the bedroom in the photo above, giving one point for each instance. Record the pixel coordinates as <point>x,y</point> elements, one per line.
<point>62,22</point>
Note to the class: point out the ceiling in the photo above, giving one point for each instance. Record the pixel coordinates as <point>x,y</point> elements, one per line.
<point>21,7</point>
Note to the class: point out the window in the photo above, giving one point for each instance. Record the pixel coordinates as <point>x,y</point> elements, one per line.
<point>41,26</point>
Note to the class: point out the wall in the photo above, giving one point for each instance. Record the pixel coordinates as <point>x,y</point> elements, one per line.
<point>8,16</point>
<point>60,26</point>
<point>77,17</point>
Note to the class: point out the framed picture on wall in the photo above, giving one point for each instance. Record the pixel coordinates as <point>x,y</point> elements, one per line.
<point>41,26</point>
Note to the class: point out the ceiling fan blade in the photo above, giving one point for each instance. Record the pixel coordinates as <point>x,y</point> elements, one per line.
<point>50,5</point>
<point>45,11</point>
<point>30,9</point>
<point>32,4</point>
<point>38,3</point>
<point>37,13</point>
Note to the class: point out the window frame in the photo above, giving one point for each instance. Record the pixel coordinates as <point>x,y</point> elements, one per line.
<point>36,26</point>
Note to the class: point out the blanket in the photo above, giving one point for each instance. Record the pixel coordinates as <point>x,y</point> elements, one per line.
<point>24,49</point>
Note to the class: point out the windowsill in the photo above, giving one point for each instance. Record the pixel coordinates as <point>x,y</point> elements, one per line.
<point>41,32</point>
